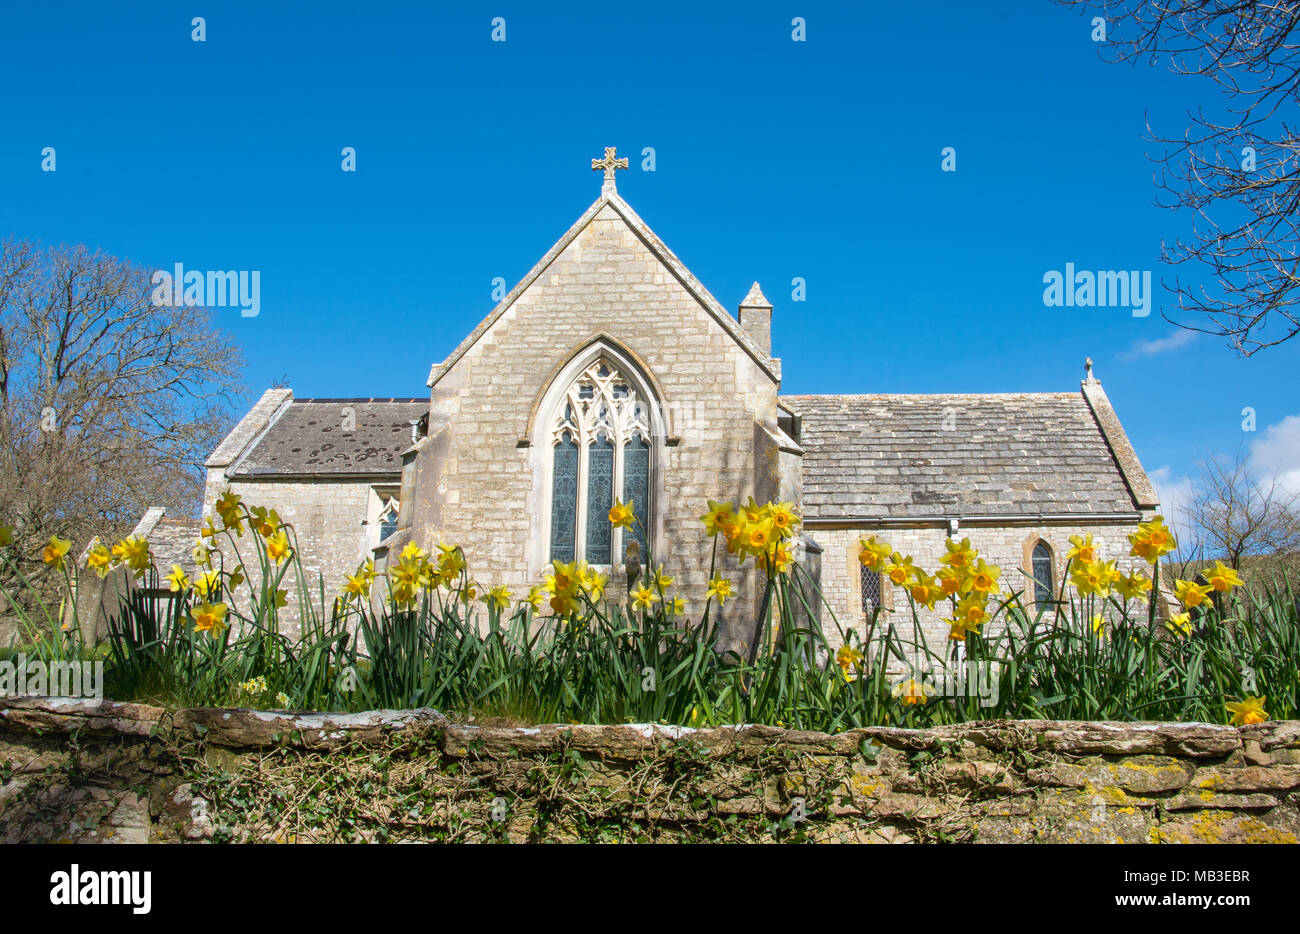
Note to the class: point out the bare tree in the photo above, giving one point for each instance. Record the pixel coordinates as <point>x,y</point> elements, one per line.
<point>108,403</point>
<point>1236,168</point>
<point>1235,512</point>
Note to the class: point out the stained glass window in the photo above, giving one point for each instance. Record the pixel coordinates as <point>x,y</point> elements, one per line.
<point>564,499</point>
<point>600,493</point>
<point>601,440</point>
<point>1042,569</point>
<point>636,487</point>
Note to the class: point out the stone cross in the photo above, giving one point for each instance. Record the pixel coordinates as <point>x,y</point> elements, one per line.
<point>609,164</point>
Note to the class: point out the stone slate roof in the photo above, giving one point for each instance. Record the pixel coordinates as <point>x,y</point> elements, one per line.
<point>308,438</point>
<point>888,456</point>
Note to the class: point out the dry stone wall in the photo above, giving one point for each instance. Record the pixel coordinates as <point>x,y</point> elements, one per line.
<point>98,771</point>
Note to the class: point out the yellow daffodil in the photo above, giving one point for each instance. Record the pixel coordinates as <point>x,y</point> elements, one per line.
<point>535,596</point>
<point>622,515</point>
<point>958,555</point>
<point>720,587</point>
<point>1221,577</point>
<point>1191,594</point>
<point>277,547</point>
<point>99,559</point>
<point>177,580</point>
<point>950,580</point>
<point>265,522</point>
<point>498,596</point>
<point>1084,550</point>
<point>982,578</point>
<point>1133,586</point>
<point>134,552</point>
<point>925,590</point>
<point>1248,711</point>
<point>874,554</point>
<point>234,579</point>
<point>899,569</point>
<point>205,584</point>
<point>850,661</point>
<point>227,507</point>
<point>910,691</point>
<point>783,518</point>
<point>661,579</point>
<point>1152,540</point>
<point>719,516</point>
<point>1180,624</point>
<point>643,597</point>
<point>1094,577</point>
<point>675,606</point>
<point>209,618</point>
<point>55,552</point>
<point>357,585</point>
<point>1099,626</point>
<point>201,554</point>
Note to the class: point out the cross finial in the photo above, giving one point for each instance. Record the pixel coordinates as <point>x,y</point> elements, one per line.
<point>609,164</point>
<point>1087,368</point>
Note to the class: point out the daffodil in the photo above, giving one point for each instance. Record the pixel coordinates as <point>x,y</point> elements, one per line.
<point>675,606</point>
<point>265,522</point>
<point>1099,626</point>
<point>720,587</point>
<point>278,548</point>
<point>1248,711</point>
<point>1152,540</point>
<point>719,516</point>
<point>55,551</point>
<point>1094,577</point>
<point>209,618</point>
<point>99,559</point>
<point>982,578</point>
<point>206,583</point>
<point>1221,577</point>
<point>622,515</point>
<point>1084,550</point>
<point>177,580</point>
<point>1191,594</point>
<point>1180,624</point>
<point>783,518</point>
<point>535,596</point>
<point>498,596</point>
<point>850,661</point>
<point>1133,585</point>
<point>227,507</point>
<point>661,579</point>
<point>134,552</point>
<point>899,569</point>
<point>950,580</point>
<point>925,590</point>
<point>874,554</point>
<point>643,597</point>
<point>958,555</point>
<point>910,691</point>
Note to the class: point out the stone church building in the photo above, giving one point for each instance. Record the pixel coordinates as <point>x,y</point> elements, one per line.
<point>611,371</point>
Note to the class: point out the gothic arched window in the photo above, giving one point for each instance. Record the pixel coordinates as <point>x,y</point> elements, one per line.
<point>1042,570</point>
<point>600,449</point>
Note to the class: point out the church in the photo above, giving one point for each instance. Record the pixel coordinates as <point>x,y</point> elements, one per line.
<point>610,372</point>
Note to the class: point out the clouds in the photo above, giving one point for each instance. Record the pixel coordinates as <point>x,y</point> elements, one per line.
<point>1175,493</point>
<point>1176,340</point>
<point>1278,453</point>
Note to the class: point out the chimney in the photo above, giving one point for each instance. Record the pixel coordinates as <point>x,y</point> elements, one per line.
<point>756,318</point>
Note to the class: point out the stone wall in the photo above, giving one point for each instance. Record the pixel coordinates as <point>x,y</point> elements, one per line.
<point>1008,546</point>
<point>89,771</point>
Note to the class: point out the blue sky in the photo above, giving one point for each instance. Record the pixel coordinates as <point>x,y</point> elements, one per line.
<point>775,159</point>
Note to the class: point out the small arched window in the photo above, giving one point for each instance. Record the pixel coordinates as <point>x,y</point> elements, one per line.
<point>870,590</point>
<point>388,518</point>
<point>600,450</point>
<point>1044,585</point>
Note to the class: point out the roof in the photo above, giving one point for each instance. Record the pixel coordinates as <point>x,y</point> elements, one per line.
<point>610,198</point>
<point>339,437</point>
<point>955,456</point>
